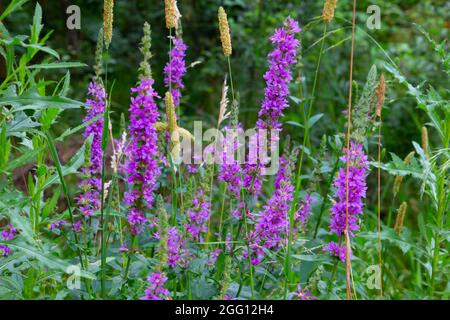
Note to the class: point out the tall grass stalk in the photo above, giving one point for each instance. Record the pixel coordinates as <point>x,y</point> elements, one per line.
<point>347,167</point>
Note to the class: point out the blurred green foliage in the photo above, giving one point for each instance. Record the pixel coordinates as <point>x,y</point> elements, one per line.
<point>252,22</point>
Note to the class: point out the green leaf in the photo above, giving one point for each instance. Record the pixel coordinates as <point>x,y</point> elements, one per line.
<point>71,131</point>
<point>71,167</point>
<point>312,121</point>
<point>57,65</point>
<point>48,259</point>
<point>20,123</point>
<point>13,6</point>
<point>27,157</point>
<point>33,101</point>
<point>295,124</point>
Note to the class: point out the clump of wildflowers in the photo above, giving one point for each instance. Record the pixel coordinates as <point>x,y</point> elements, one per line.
<point>358,166</point>
<point>156,290</point>
<point>175,69</point>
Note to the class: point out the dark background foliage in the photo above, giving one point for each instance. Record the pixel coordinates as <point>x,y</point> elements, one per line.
<point>252,22</point>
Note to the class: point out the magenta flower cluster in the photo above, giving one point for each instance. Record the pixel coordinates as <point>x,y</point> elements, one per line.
<point>175,69</point>
<point>156,290</point>
<point>89,200</point>
<point>271,225</point>
<point>230,171</point>
<point>57,224</point>
<point>197,216</point>
<point>357,173</point>
<point>8,233</point>
<point>276,94</point>
<point>279,75</point>
<point>304,294</point>
<point>304,211</point>
<point>176,248</point>
<point>142,154</point>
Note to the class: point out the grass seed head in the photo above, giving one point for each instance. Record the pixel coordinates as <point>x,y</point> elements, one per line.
<point>401,211</point>
<point>224,29</point>
<point>108,16</point>
<point>328,10</point>
<point>381,92</point>
<point>172,14</point>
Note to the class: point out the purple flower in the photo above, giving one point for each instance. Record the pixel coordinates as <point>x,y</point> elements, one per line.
<point>213,256</point>
<point>89,200</point>
<point>56,224</point>
<point>77,226</point>
<point>336,250</point>
<point>304,211</point>
<point>271,225</point>
<point>276,94</point>
<point>142,154</point>
<point>357,173</point>
<point>156,290</point>
<point>9,233</point>
<point>176,248</point>
<point>197,216</point>
<point>230,170</point>
<point>279,75</point>
<point>123,248</point>
<point>304,294</point>
<point>4,250</point>
<point>175,69</point>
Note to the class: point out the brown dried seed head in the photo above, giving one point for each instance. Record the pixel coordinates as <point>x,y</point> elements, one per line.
<point>225,37</point>
<point>425,140</point>
<point>328,10</point>
<point>381,91</point>
<point>108,17</point>
<point>171,10</point>
<point>401,211</point>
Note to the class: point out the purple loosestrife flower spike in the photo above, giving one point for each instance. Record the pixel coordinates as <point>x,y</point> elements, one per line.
<point>304,211</point>
<point>142,154</point>
<point>89,199</point>
<point>175,69</point>
<point>271,225</point>
<point>197,216</point>
<point>276,93</point>
<point>358,167</point>
<point>279,75</point>
<point>176,248</point>
<point>156,290</point>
